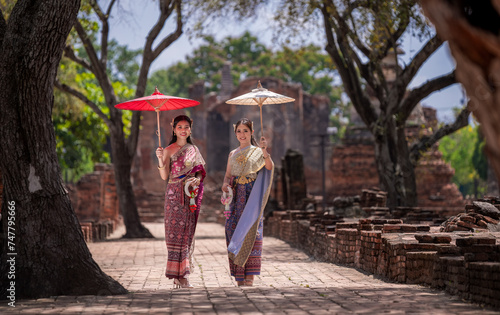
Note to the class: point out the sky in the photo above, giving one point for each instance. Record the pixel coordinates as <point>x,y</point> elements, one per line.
<point>130,24</point>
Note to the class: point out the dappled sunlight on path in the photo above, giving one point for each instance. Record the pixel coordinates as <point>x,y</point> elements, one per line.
<point>290,283</point>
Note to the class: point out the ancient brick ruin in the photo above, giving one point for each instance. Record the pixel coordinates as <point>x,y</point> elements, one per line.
<point>95,203</point>
<point>479,216</point>
<point>285,126</point>
<point>288,126</point>
<point>353,165</point>
<point>353,169</point>
<point>463,263</point>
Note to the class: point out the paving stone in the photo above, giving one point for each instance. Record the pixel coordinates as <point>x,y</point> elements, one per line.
<point>290,283</point>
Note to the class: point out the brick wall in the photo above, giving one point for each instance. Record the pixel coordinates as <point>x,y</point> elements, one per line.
<point>459,263</point>
<point>95,203</point>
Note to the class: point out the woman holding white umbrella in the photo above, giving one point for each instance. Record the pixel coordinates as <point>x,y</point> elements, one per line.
<point>249,176</point>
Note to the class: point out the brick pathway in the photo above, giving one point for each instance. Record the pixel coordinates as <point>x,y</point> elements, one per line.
<point>290,283</point>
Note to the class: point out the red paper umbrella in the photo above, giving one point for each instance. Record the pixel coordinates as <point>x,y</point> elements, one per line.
<point>157,102</point>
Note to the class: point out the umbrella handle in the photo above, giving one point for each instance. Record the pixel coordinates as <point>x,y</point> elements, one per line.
<point>261,128</point>
<point>158,130</point>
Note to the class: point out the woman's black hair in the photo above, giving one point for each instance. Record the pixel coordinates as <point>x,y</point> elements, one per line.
<point>175,122</point>
<point>247,122</point>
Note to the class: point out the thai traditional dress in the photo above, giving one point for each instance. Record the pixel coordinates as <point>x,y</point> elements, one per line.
<point>251,184</point>
<point>180,221</point>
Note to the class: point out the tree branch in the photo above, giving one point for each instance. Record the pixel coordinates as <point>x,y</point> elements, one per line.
<point>105,28</point>
<point>110,7</point>
<point>390,41</point>
<point>70,53</point>
<point>165,11</point>
<point>367,71</point>
<point>409,72</point>
<point>417,94</point>
<point>167,7</point>
<point>346,70</point>
<point>67,89</point>
<point>426,142</point>
<point>98,69</point>
<point>346,29</point>
<point>167,41</point>
<point>399,89</point>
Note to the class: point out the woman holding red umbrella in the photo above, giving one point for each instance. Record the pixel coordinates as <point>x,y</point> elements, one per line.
<point>183,166</point>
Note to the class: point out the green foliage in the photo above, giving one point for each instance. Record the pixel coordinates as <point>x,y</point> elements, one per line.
<point>479,159</point>
<point>123,63</point>
<point>80,142</point>
<point>464,151</point>
<point>306,65</point>
<point>6,6</point>
<point>81,134</point>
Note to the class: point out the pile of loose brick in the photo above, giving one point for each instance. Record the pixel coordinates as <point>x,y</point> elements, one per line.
<point>373,201</point>
<point>480,215</point>
<point>417,215</point>
<point>462,263</point>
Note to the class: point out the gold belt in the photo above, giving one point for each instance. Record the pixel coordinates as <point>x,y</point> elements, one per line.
<point>243,180</point>
<point>178,180</point>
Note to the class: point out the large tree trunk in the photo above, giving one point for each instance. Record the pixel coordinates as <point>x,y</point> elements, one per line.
<point>122,163</point>
<point>407,169</point>
<point>123,150</point>
<point>396,172</point>
<point>45,253</point>
<point>122,158</point>
<point>384,103</point>
<point>472,31</point>
<point>386,172</point>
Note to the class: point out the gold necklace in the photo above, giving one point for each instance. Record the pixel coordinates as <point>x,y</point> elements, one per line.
<point>242,158</point>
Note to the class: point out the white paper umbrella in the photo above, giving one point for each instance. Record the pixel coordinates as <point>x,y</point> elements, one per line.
<point>260,96</point>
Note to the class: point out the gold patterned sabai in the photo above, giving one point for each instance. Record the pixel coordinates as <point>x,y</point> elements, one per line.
<point>247,163</point>
<point>241,159</point>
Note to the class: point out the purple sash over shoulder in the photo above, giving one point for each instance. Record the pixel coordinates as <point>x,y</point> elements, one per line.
<point>185,163</point>
<point>244,235</point>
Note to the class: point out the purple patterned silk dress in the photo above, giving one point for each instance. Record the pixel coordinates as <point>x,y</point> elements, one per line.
<point>251,184</point>
<point>180,221</point>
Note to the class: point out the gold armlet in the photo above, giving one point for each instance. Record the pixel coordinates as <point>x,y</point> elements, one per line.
<point>161,168</point>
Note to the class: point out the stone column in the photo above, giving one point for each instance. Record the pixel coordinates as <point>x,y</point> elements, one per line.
<point>294,180</point>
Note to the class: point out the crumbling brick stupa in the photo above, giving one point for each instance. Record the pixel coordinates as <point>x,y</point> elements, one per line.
<point>353,167</point>
<point>353,162</point>
<point>286,126</point>
<point>350,166</point>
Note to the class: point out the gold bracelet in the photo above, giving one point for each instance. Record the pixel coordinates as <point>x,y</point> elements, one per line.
<point>161,168</point>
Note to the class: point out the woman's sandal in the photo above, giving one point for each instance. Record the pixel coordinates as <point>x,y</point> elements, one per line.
<point>178,284</point>
<point>248,282</point>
